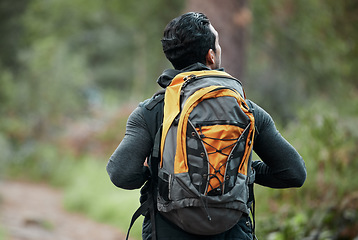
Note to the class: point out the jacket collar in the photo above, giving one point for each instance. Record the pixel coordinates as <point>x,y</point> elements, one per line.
<point>166,77</point>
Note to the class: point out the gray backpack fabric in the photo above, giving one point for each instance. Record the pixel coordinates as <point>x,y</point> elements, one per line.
<point>205,152</point>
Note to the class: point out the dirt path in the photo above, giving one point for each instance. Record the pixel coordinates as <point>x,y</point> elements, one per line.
<point>31,211</point>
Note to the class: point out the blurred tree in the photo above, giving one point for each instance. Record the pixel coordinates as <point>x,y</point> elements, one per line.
<point>285,51</point>
<point>231,18</point>
<point>298,53</point>
<point>345,21</point>
<point>11,30</point>
<point>60,56</point>
<point>11,40</point>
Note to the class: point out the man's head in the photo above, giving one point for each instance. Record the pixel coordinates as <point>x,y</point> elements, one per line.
<point>190,38</point>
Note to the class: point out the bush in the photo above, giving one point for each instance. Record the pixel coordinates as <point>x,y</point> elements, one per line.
<point>326,137</point>
<point>92,193</point>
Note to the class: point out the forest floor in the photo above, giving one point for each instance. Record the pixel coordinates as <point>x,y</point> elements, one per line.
<point>33,211</point>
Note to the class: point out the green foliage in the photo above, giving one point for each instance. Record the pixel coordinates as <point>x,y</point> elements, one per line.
<point>332,151</point>
<point>65,56</point>
<point>53,82</point>
<point>118,39</point>
<point>64,59</point>
<point>2,234</point>
<point>326,136</point>
<point>84,180</point>
<point>92,193</point>
<point>298,53</point>
<point>11,30</point>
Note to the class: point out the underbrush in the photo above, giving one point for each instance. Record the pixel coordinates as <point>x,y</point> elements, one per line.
<point>85,183</point>
<point>91,192</point>
<point>2,234</point>
<point>80,173</point>
<point>326,207</point>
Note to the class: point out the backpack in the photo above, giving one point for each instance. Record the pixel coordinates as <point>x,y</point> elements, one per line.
<point>205,152</point>
<point>201,158</point>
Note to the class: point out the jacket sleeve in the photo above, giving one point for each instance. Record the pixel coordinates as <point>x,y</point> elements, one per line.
<point>281,165</point>
<point>125,167</point>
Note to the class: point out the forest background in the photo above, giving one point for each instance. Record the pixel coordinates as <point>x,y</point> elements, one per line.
<point>71,71</point>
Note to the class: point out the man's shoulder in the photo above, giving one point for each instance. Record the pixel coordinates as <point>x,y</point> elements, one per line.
<point>256,109</point>
<point>152,111</point>
<point>263,119</point>
<point>151,103</point>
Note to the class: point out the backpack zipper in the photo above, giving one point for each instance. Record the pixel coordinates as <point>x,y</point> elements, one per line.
<point>190,78</point>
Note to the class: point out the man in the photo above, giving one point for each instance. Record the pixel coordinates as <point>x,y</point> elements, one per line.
<point>191,43</point>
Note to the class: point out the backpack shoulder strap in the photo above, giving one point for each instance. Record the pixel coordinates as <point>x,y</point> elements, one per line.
<point>251,200</point>
<point>153,112</point>
<point>252,109</point>
<point>157,98</point>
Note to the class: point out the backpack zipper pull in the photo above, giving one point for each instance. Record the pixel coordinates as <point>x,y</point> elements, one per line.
<point>205,208</point>
<point>189,77</point>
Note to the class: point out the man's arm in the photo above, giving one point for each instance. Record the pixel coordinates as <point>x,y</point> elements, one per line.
<point>126,165</point>
<point>281,165</point>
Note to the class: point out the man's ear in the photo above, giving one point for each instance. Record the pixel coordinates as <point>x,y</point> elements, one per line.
<point>210,58</point>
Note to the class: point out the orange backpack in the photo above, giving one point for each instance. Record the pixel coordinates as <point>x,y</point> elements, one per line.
<point>205,152</point>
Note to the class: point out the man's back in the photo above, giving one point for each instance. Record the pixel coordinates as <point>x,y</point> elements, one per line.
<point>191,43</point>
<point>281,165</point>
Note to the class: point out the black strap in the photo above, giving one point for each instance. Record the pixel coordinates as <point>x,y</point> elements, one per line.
<point>157,97</point>
<point>252,109</point>
<point>141,210</point>
<point>156,150</point>
<point>252,208</point>
<point>149,203</point>
<point>153,166</point>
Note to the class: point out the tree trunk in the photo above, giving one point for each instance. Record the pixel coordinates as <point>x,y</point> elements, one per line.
<point>231,19</point>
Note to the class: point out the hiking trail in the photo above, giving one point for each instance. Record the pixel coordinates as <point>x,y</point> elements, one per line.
<point>34,211</point>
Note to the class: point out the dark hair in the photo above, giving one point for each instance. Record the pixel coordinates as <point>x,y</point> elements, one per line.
<point>187,39</point>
